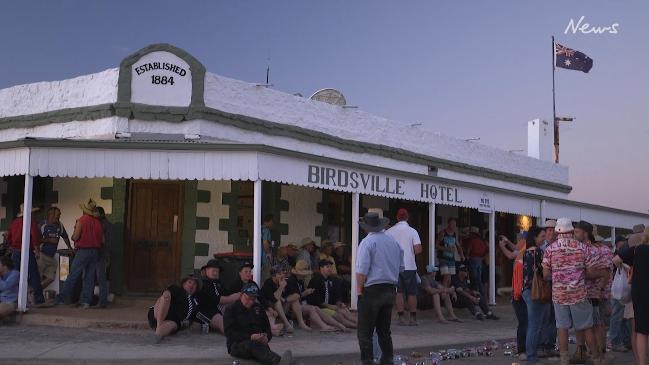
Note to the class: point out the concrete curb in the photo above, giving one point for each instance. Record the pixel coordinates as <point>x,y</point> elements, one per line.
<point>71,322</point>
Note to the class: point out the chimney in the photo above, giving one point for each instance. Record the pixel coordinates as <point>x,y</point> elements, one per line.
<point>540,140</point>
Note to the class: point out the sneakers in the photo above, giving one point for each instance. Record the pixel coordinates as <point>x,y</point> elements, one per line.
<point>492,316</point>
<point>84,306</point>
<point>479,316</point>
<point>287,358</point>
<point>402,321</point>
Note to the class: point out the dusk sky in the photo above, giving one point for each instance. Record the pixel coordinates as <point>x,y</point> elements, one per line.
<point>462,68</point>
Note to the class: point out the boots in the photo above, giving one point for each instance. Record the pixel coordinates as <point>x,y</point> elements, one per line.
<point>580,356</point>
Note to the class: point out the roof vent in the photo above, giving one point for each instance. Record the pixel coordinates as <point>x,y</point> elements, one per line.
<point>329,96</point>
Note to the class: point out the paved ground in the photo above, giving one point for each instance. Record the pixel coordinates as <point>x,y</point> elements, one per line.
<point>31,344</point>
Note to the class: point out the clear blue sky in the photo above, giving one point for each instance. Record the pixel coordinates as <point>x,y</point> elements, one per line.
<point>462,68</point>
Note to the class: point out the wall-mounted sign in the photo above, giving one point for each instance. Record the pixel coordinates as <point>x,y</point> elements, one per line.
<point>486,203</point>
<point>161,78</point>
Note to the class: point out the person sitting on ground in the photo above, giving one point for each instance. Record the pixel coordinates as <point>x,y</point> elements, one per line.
<point>326,252</point>
<point>211,301</point>
<point>282,259</point>
<point>175,309</point>
<point>327,298</point>
<point>245,277</point>
<point>307,255</point>
<point>295,286</point>
<point>468,298</point>
<point>275,294</point>
<point>52,231</point>
<point>248,332</point>
<point>8,287</point>
<point>431,289</point>
<point>342,261</point>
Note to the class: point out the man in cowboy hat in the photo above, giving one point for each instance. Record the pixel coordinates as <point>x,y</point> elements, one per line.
<point>15,239</point>
<point>566,262</point>
<point>379,262</point>
<point>307,254</point>
<point>211,297</point>
<point>88,238</point>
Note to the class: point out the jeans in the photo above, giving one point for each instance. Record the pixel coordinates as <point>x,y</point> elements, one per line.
<point>102,280</point>
<point>375,313</point>
<point>548,329</point>
<point>619,330</point>
<point>33,275</point>
<point>520,309</point>
<point>475,267</point>
<point>84,262</point>
<point>535,311</point>
<point>464,302</point>
<point>258,351</point>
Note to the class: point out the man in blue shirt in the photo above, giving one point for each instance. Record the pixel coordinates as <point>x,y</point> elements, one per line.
<point>52,231</point>
<point>378,264</point>
<point>8,287</point>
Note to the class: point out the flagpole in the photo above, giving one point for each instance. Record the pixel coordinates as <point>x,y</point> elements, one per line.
<point>554,110</point>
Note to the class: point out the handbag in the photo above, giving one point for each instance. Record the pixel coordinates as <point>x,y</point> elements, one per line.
<point>541,289</point>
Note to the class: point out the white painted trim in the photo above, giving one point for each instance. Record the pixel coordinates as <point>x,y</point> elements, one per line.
<point>432,233</point>
<point>355,231</point>
<point>492,258</point>
<point>256,237</point>
<point>23,288</point>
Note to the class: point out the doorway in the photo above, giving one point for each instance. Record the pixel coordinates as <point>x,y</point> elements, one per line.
<point>153,235</point>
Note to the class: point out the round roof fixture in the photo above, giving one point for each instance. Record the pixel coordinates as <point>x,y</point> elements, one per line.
<point>329,96</point>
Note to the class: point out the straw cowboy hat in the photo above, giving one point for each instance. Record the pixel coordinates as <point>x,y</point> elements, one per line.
<point>550,223</point>
<point>371,222</point>
<point>22,210</point>
<point>308,241</point>
<point>339,244</point>
<point>474,229</point>
<point>564,225</point>
<point>302,269</point>
<point>378,211</point>
<point>90,208</point>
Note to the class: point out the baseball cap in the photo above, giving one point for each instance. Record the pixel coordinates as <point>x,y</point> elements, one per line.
<point>323,262</point>
<point>246,264</point>
<point>462,268</point>
<point>276,269</point>
<point>215,264</point>
<point>250,289</point>
<point>431,268</point>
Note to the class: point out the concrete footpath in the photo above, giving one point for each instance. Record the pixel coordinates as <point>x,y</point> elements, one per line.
<point>37,344</point>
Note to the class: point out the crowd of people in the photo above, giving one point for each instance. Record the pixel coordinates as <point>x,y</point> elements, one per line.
<point>91,236</point>
<point>563,275</point>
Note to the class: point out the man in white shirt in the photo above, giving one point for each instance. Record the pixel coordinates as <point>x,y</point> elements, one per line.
<point>410,243</point>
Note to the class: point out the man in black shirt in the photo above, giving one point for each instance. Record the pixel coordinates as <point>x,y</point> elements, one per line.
<point>248,331</point>
<point>469,298</point>
<point>211,301</point>
<point>282,299</point>
<point>175,309</point>
<point>326,296</point>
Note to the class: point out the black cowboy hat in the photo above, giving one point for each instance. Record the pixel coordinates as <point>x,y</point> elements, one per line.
<point>371,222</point>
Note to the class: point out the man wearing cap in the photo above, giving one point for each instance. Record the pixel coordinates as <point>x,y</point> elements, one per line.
<point>211,299</point>
<point>477,250</point>
<point>52,231</point>
<point>548,337</point>
<point>307,254</point>
<point>88,238</point>
<point>567,263</point>
<point>431,289</point>
<point>248,331</point>
<point>410,243</point>
<point>175,309</point>
<point>326,295</point>
<point>378,264</point>
<point>468,298</point>
<point>15,239</point>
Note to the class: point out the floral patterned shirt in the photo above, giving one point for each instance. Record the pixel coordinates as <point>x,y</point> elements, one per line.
<point>568,260</point>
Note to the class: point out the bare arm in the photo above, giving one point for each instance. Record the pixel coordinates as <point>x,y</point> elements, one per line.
<point>360,283</point>
<point>418,249</point>
<point>77,232</point>
<point>547,274</point>
<point>229,298</point>
<point>594,273</point>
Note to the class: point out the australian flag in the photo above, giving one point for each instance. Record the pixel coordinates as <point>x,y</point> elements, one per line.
<point>571,59</point>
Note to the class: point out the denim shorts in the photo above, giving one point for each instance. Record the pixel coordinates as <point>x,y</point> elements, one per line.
<point>408,282</point>
<point>447,267</point>
<point>578,316</point>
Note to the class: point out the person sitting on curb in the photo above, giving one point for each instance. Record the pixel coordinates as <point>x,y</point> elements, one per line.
<point>299,292</point>
<point>8,287</point>
<point>248,332</point>
<point>275,294</point>
<point>175,309</point>
<point>432,289</point>
<point>467,298</point>
<point>211,301</point>
<point>245,277</point>
<point>326,297</point>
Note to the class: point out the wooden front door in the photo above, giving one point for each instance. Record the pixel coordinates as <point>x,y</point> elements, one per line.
<point>153,235</point>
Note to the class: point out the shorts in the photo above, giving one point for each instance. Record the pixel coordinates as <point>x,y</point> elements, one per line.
<point>601,312</point>
<point>447,267</point>
<point>47,266</point>
<point>408,282</point>
<point>578,316</point>
<point>329,312</point>
<point>153,323</point>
